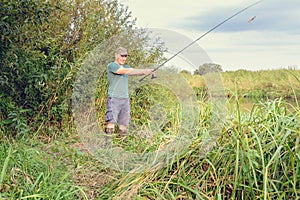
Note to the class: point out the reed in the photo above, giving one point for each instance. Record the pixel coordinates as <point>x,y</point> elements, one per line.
<point>30,173</point>
<point>257,157</point>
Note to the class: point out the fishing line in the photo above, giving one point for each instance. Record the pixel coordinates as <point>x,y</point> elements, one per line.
<point>210,30</point>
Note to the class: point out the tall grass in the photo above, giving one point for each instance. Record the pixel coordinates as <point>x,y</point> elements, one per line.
<point>257,157</point>
<point>27,172</point>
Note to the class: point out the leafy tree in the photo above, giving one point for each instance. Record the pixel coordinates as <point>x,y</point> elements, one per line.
<point>22,72</point>
<point>43,43</point>
<point>208,68</point>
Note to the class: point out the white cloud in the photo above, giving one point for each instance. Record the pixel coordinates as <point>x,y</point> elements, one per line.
<point>271,40</point>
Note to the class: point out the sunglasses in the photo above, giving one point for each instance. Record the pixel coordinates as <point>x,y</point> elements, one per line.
<point>124,56</point>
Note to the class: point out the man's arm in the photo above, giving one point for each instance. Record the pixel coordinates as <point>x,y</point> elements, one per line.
<point>132,71</point>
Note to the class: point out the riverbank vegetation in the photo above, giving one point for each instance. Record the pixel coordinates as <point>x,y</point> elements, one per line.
<point>43,44</point>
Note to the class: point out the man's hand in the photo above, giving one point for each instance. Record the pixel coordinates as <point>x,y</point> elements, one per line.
<point>148,72</point>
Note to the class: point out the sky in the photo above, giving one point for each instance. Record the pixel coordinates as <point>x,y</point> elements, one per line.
<point>271,40</point>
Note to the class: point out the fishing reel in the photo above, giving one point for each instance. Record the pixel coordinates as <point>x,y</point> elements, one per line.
<point>153,76</point>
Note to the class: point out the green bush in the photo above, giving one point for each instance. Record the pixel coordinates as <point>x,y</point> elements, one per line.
<point>42,47</point>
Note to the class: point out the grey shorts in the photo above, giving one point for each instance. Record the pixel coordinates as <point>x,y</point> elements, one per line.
<point>118,111</point>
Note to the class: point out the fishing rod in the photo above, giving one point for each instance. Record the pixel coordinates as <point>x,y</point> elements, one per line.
<point>210,30</point>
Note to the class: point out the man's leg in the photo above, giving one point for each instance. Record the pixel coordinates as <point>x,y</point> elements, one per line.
<point>124,117</point>
<point>122,130</point>
<point>112,111</point>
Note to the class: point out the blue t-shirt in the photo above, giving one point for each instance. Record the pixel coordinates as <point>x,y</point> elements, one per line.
<point>117,83</point>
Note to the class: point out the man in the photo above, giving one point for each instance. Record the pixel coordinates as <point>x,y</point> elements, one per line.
<point>118,105</point>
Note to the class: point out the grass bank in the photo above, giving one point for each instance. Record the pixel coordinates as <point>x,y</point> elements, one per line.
<point>256,156</point>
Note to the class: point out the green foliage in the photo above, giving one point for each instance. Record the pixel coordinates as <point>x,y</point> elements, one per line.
<point>150,96</point>
<point>19,20</point>
<point>15,122</point>
<point>31,66</point>
<point>42,47</point>
<point>28,172</point>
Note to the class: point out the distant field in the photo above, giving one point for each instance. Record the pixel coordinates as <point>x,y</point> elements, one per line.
<point>256,84</point>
